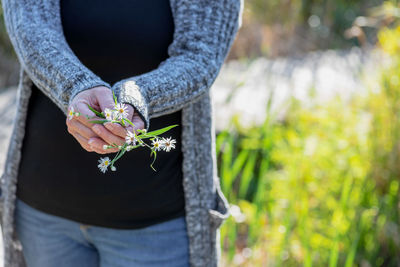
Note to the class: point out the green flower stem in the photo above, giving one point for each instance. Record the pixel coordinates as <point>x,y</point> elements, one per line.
<point>121,152</point>
<point>154,159</point>
<point>99,121</point>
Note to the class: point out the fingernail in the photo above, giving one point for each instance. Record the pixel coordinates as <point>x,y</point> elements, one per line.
<point>90,142</point>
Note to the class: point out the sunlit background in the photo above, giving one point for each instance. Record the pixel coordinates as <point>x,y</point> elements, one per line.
<point>308,143</point>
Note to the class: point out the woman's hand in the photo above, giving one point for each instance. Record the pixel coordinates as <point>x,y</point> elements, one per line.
<point>93,137</point>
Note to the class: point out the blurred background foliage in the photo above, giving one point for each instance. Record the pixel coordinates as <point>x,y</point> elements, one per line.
<point>5,45</point>
<point>8,62</point>
<point>285,27</point>
<point>319,187</point>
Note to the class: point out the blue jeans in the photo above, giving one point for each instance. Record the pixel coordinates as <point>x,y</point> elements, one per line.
<point>52,241</point>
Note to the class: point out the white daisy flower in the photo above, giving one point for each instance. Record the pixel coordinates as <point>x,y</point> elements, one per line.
<point>130,138</point>
<point>71,113</point>
<point>157,144</point>
<point>109,114</point>
<point>169,144</point>
<point>104,163</point>
<point>121,110</point>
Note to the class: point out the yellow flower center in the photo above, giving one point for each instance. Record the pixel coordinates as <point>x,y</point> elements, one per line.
<point>121,110</point>
<point>106,162</point>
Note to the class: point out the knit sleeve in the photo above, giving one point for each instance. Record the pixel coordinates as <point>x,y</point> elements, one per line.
<point>204,32</point>
<point>35,31</point>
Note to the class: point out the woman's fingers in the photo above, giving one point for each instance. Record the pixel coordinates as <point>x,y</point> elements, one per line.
<point>119,131</point>
<point>93,144</point>
<point>98,144</point>
<point>107,136</point>
<point>87,138</point>
<point>137,121</point>
<point>82,141</point>
<point>116,129</point>
<point>86,144</point>
<point>77,126</point>
<point>91,140</point>
<point>85,112</point>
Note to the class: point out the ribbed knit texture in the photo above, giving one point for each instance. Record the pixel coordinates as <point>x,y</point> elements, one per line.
<point>204,32</point>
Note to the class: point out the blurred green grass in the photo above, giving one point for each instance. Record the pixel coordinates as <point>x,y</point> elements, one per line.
<point>321,187</point>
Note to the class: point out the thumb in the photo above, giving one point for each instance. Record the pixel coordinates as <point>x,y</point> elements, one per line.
<point>138,122</point>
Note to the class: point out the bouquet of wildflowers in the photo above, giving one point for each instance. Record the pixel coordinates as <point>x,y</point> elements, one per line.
<point>132,140</point>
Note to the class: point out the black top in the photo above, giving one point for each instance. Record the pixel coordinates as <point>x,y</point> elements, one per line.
<point>115,39</point>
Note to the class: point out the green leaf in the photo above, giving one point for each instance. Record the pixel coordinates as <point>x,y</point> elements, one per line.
<point>99,114</point>
<point>128,121</point>
<point>147,137</point>
<point>135,147</point>
<point>162,130</point>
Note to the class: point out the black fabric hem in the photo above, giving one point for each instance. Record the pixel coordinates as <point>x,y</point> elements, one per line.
<point>136,224</point>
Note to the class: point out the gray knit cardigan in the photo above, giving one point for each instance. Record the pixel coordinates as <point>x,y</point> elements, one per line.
<point>204,32</point>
